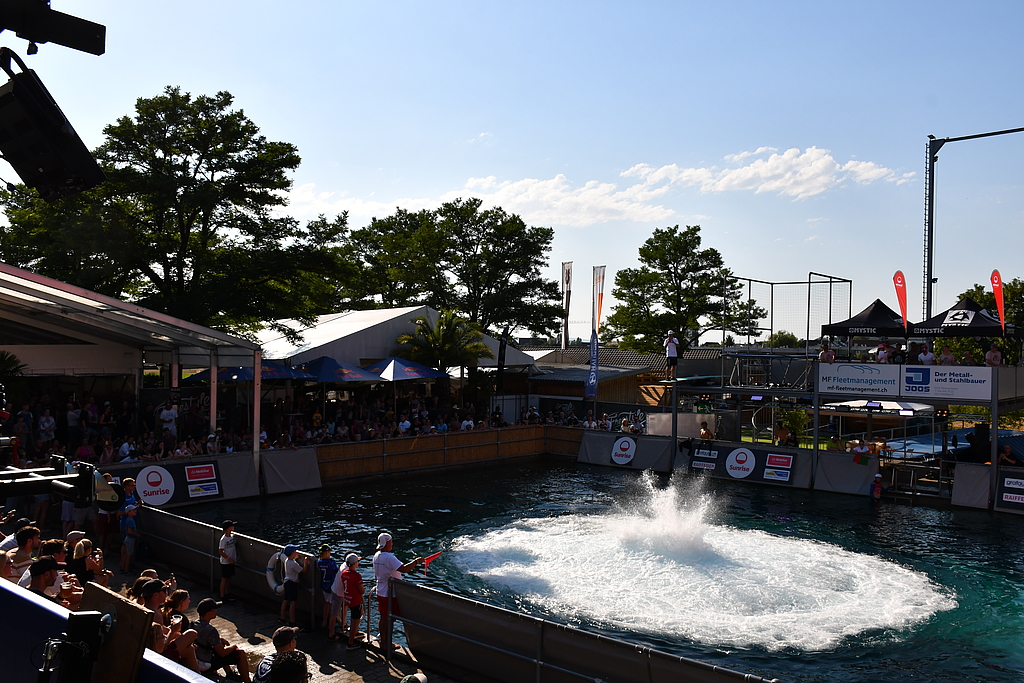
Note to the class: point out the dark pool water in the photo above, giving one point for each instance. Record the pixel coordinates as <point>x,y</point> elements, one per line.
<point>798,585</point>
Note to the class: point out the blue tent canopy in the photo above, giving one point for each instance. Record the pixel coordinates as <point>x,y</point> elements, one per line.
<point>403,369</point>
<point>268,370</point>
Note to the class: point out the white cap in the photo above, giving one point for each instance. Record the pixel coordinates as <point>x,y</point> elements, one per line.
<point>383,540</point>
<point>671,332</point>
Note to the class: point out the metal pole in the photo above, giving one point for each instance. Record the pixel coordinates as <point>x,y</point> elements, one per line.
<point>675,427</point>
<point>993,451</point>
<point>817,416</point>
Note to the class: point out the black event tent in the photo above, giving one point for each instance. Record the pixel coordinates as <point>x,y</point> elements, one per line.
<point>877,320</point>
<point>966,319</point>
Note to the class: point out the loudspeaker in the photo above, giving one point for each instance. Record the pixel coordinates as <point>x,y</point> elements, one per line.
<point>37,140</point>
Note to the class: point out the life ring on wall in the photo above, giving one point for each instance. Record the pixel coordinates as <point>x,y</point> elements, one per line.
<point>272,581</point>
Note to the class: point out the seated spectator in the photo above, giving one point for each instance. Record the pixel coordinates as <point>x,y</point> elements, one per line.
<point>10,542</point>
<point>289,667</point>
<point>28,542</point>
<point>210,647</point>
<point>284,641</point>
<point>43,575</point>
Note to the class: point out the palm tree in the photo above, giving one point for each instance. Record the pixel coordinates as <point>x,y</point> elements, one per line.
<point>10,365</point>
<point>451,342</point>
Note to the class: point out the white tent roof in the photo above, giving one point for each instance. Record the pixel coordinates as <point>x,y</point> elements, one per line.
<point>885,407</point>
<point>363,336</point>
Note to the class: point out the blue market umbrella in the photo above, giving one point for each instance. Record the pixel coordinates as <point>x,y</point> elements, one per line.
<point>396,369</point>
<point>326,369</point>
<point>268,370</point>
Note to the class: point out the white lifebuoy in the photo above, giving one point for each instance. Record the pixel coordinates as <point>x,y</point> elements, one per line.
<point>272,581</point>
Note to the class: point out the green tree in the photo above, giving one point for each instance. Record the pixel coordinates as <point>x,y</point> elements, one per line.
<point>484,263</point>
<point>10,366</point>
<point>185,223</point>
<point>1013,302</point>
<point>451,342</point>
<point>679,287</point>
<point>783,340</point>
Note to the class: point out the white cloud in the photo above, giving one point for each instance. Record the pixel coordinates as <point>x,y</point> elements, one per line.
<point>557,201</point>
<point>793,173</point>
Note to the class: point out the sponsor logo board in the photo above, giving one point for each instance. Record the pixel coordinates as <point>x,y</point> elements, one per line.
<point>1013,483</point>
<point>776,475</point>
<point>200,490</point>
<point>705,453</point>
<point>701,465</point>
<point>155,485</point>
<point>1013,498</point>
<point>623,450</point>
<point>740,463</point>
<point>947,382</point>
<point>859,378</point>
<point>776,460</point>
<point>199,472</point>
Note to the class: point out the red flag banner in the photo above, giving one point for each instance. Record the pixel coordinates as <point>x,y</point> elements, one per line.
<point>900,283</point>
<point>429,559</point>
<point>997,289</point>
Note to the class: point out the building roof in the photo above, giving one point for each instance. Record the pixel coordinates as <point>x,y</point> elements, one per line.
<point>576,355</point>
<point>579,373</point>
<point>41,312</point>
<point>359,337</point>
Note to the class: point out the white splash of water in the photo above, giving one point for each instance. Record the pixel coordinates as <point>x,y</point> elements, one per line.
<point>663,568</point>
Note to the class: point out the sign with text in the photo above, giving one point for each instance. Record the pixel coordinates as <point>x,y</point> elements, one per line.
<point>940,381</point>
<point>750,464</point>
<point>1010,489</point>
<point>906,381</point>
<point>874,379</point>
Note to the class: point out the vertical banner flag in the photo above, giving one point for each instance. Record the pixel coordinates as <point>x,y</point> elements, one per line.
<point>900,283</point>
<point>997,289</point>
<point>566,295</point>
<point>598,294</point>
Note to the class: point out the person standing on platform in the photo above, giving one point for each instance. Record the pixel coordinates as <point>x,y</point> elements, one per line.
<point>994,358</point>
<point>671,355</point>
<point>946,358</point>
<point>827,355</point>
<point>228,558</point>
<point>328,567</point>
<point>348,585</point>
<point>926,357</point>
<point>386,567</point>
<point>292,569</point>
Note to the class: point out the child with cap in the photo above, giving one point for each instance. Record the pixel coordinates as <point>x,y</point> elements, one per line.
<point>349,587</point>
<point>292,569</point>
<point>228,557</point>
<point>328,570</point>
<point>131,535</point>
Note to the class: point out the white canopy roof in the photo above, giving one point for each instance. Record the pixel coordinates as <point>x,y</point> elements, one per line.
<point>886,407</point>
<point>360,337</point>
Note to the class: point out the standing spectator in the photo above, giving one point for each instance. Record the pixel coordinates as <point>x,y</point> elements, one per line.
<point>284,641</point>
<point>131,537</point>
<point>292,569</point>
<point>328,570</point>
<point>994,358</point>
<point>169,420</point>
<point>47,429</point>
<point>926,357</point>
<point>349,585</point>
<point>827,355</point>
<point>671,345</point>
<point>968,360</point>
<point>946,358</point>
<point>386,567</point>
<point>213,649</point>
<point>228,557</point>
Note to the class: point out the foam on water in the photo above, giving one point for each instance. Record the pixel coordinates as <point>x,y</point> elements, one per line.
<point>664,568</point>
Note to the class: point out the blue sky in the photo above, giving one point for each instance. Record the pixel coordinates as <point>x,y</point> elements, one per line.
<point>792,132</point>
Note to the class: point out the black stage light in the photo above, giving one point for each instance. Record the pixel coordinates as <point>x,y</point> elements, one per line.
<point>37,140</point>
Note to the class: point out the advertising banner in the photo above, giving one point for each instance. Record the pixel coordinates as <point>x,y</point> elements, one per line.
<point>906,381</point>
<point>900,283</point>
<point>751,464</point>
<point>1010,489</point>
<point>953,382</point>
<point>175,483</point>
<point>873,379</point>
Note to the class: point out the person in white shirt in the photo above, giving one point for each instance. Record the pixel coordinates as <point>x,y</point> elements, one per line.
<point>169,418</point>
<point>926,357</point>
<point>386,567</point>
<point>671,354</point>
<point>467,425</point>
<point>404,425</point>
